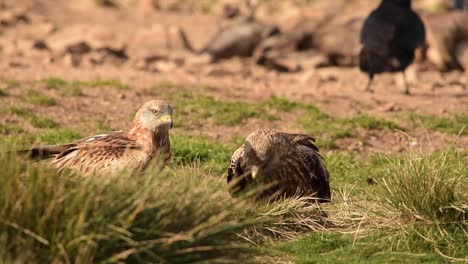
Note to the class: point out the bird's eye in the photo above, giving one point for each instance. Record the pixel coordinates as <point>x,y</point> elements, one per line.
<point>155,111</point>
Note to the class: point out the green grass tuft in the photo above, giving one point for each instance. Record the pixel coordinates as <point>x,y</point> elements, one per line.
<point>12,83</point>
<point>73,88</point>
<point>377,247</point>
<point>10,129</point>
<point>3,93</point>
<point>57,136</point>
<point>35,120</point>
<point>369,122</point>
<point>281,104</point>
<point>47,217</point>
<point>108,82</point>
<point>54,82</point>
<point>430,187</point>
<point>187,150</point>
<point>456,124</point>
<point>38,98</point>
<point>225,112</point>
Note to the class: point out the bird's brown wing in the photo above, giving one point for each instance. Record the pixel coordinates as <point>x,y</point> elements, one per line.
<point>45,152</point>
<point>314,168</point>
<point>302,139</point>
<point>96,153</point>
<point>238,176</point>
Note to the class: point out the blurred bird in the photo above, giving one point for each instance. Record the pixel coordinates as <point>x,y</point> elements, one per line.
<point>281,164</point>
<point>389,36</point>
<point>116,151</point>
<point>459,4</point>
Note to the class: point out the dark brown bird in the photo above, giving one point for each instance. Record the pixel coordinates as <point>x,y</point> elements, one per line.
<point>280,165</point>
<point>117,151</point>
<point>389,36</point>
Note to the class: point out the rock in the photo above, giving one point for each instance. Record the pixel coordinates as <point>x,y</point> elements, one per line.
<point>156,38</point>
<point>330,38</point>
<point>12,17</point>
<point>239,39</point>
<point>444,32</point>
<point>390,107</point>
<point>462,54</point>
<point>97,44</point>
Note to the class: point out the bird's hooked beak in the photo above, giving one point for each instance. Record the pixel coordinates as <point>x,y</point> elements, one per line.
<point>167,119</point>
<point>254,172</point>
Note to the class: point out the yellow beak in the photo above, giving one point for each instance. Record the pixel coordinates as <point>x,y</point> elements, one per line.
<point>167,119</point>
<point>254,172</point>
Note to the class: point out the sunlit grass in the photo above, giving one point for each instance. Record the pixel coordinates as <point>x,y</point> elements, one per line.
<point>455,124</point>
<point>74,87</point>
<point>34,119</point>
<point>179,215</point>
<point>58,136</point>
<point>38,98</point>
<point>197,150</point>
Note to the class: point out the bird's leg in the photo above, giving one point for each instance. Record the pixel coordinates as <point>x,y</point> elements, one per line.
<point>368,86</point>
<point>405,83</point>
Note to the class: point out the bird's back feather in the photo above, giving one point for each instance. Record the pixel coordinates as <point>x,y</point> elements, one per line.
<point>300,172</point>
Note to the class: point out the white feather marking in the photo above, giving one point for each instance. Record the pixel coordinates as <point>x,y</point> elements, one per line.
<point>96,137</point>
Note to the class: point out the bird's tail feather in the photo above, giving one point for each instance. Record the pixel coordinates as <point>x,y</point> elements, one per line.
<point>372,62</point>
<point>43,152</point>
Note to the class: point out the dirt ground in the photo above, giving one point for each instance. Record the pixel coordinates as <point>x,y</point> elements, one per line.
<point>143,34</point>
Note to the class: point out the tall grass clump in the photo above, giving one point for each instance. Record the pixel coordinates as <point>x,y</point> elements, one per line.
<point>167,217</point>
<point>430,187</point>
<point>429,191</point>
<point>179,215</point>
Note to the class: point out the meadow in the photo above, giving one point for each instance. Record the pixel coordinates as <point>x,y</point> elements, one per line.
<point>404,207</point>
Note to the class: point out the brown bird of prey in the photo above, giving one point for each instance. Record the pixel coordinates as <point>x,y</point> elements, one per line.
<point>389,37</point>
<point>117,151</point>
<point>279,165</point>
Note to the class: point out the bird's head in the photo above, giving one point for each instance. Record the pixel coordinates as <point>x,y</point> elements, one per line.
<point>154,114</point>
<point>402,3</point>
<point>262,149</point>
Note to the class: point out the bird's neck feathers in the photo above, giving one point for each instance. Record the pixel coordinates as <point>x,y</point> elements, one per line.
<point>151,140</point>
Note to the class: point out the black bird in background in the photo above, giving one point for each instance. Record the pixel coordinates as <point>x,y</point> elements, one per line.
<point>459,4</point>
<point>389,36</point>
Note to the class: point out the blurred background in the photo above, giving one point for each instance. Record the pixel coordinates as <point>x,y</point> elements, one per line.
<point>160,35</point>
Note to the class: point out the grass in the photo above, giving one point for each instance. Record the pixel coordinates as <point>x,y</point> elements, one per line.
<point>11,83</point>
<point>38,98</point>
<point>369,122</point>
<point>422,203</point>
<point>57,136</point>
<point>196,105</point>
<point>333,247</point>
<point>72,91</point>
<point>455,124</point>
<point>430,187</point>
<point>55,83</point>
<point>227,112</point>
<point>401,209</point>
<point>74,88</point>
<point>35,120</point>
<point>329,129</point>
<point>3,93</point>
<point>112,221</point>
<point>189,150</point>
<point>10,129</point>
<point>50,217</point>
<point>413,212</point>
